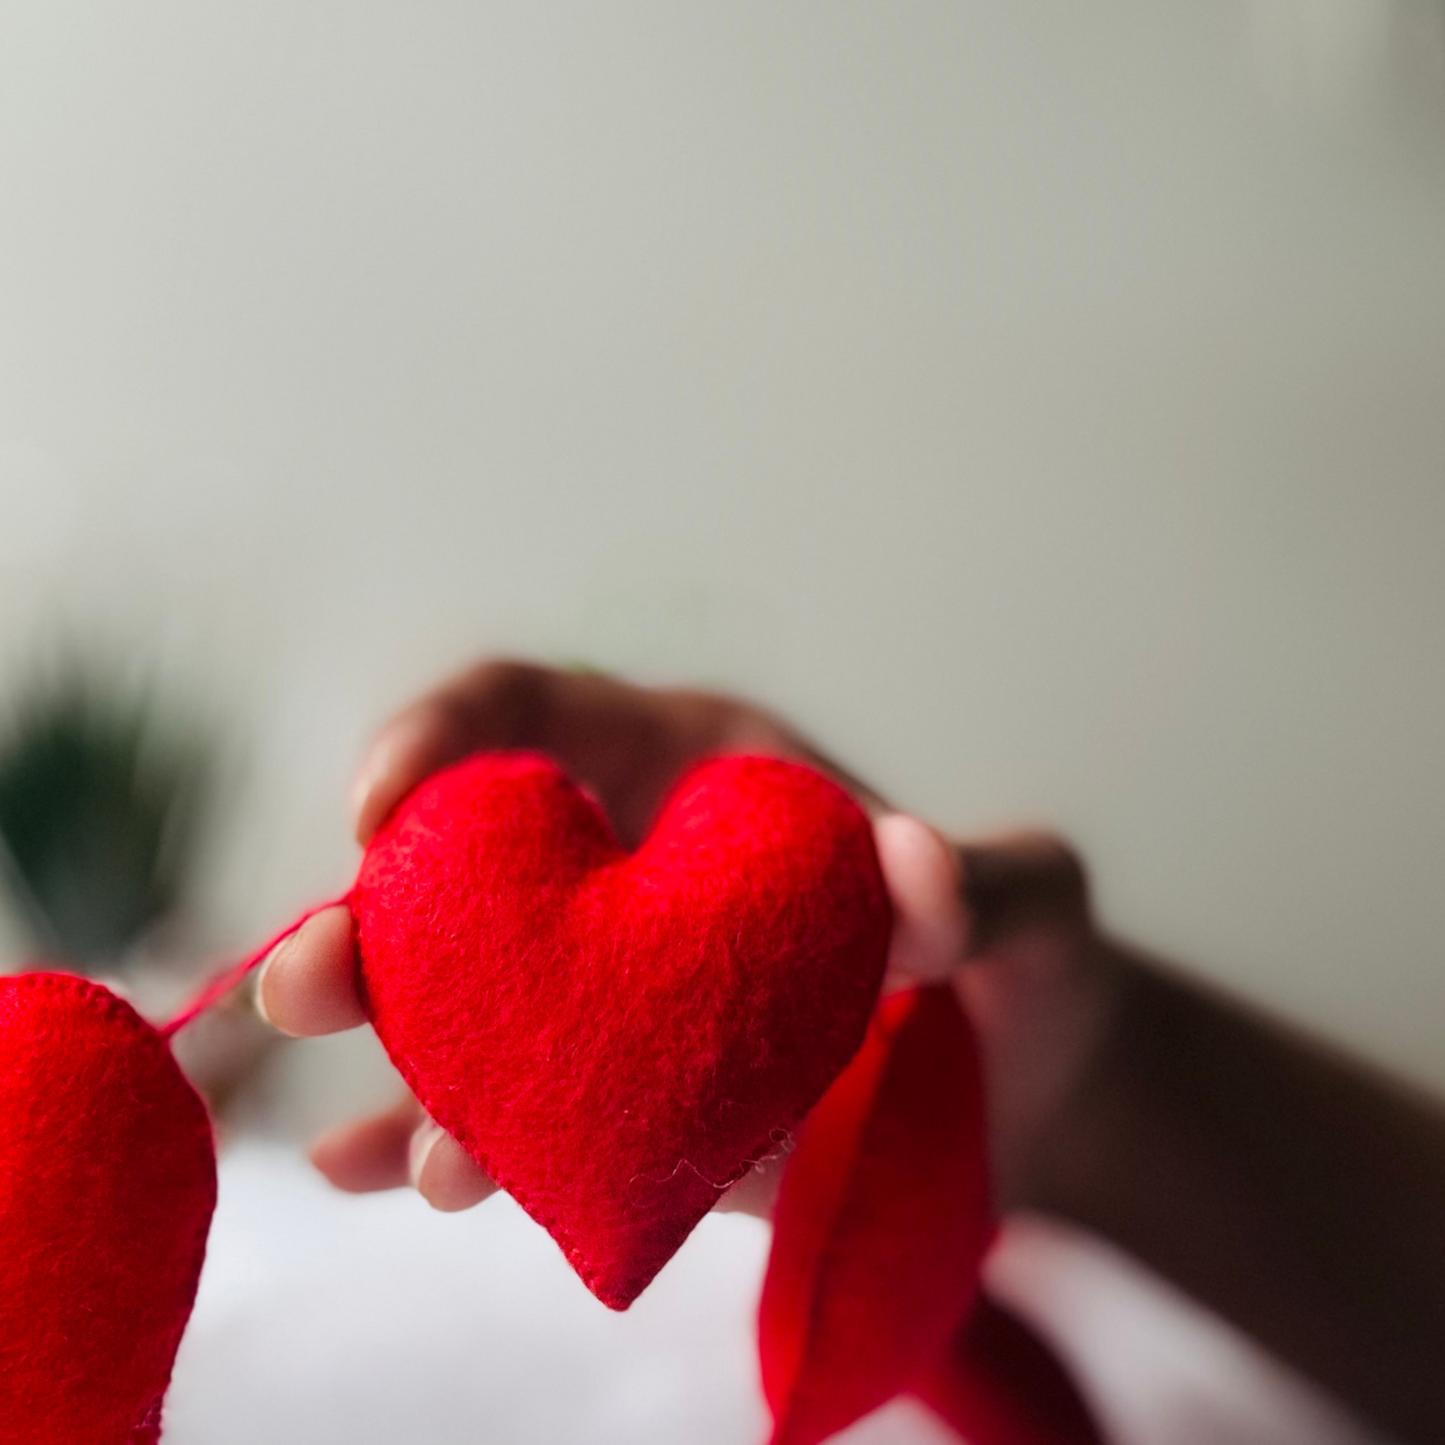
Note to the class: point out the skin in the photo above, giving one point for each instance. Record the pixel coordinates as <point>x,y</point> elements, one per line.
<point>1286,1187</point>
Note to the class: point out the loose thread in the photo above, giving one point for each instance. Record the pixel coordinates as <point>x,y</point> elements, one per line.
<point>213,992</point>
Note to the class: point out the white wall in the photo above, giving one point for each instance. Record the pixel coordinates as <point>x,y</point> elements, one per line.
<point>1044,404</point>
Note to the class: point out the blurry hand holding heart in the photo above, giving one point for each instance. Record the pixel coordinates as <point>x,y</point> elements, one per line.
<point>1015,915</point>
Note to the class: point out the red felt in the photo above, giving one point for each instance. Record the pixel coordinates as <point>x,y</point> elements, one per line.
<point>107,1183</point>
<point>616,1038</point>
<point>999,1384</point>
<point>881,1223</point>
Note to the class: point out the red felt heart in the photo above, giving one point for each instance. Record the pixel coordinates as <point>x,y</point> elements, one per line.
<point>615,1038</point>
<point>107,1183</point>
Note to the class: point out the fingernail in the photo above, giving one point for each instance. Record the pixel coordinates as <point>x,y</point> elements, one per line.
<point>258,995</point>
<point>423,1141</point>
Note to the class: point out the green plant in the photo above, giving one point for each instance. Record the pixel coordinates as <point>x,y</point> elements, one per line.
<point>101,799</point>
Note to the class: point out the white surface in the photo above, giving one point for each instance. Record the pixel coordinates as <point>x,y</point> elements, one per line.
<point>325,1320</point>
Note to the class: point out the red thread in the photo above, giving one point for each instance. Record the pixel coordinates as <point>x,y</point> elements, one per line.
<point>213,992</point>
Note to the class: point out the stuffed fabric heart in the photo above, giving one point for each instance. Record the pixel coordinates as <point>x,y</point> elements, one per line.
<point>615,1037</point>
<point>107,1184</point>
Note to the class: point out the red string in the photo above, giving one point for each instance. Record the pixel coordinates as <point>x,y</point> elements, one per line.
<point>214,991</point>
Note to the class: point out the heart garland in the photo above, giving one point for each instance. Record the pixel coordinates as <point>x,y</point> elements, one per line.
<point>617,1038</point>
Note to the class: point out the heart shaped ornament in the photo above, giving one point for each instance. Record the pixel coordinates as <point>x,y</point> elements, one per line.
<point>107,1185</point>
<point>617,1037</point>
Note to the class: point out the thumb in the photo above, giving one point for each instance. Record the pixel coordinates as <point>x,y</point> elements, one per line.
<point>922,875</point>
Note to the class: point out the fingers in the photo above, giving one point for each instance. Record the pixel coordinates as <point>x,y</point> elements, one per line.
<point>408,749</point>
<point>443,1173</point>
<point>499,704</point>
<point>921,871</point>
<point>370,1154</point>
<point>398,1147</point>
<point>627,744</point>
<point>493,705</point>
<point>309,985</point>
<point>952,904</point>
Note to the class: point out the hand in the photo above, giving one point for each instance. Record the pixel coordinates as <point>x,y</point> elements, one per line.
<point>1015,907</point>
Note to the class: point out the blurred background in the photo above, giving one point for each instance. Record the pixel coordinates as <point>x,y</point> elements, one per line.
<point>1042,406</point>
